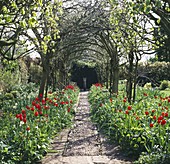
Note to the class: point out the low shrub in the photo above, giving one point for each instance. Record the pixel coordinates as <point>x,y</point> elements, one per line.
<point>164,85</point>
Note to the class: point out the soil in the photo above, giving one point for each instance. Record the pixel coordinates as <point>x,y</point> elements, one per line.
<point>83,143</point>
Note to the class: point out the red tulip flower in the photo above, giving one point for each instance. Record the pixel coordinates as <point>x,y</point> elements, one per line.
<point>23,111</point>
<point>151,125</point>
<point>163,122</point>
<point>28,128</point>
<point>36,114</point>
<point>24,120</point>
<point>153,111</point>
<point>154,117</point>
<point>127,112</point>
<point>27,107</point>
<point>17,115</point>
<point>124,100</point>
<point>147,113</point>
<point>166,114</point>
<point>160,117</point>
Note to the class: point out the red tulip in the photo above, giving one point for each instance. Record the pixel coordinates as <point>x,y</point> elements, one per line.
<point>28,128</point>
<point>33,103</point>
<point>160,117</point>
<point>24,115</point>
<point>154,117</point>
<point>27,107</point>
<point>153,111</point>
<point>17,115</point>
<point>163,114</point>
<point>147,113</point>
<point>23,111</point>
<point>151,125</point>
<point>32,108</point>
<point>145,94</point>
<point>163,122</point>
<point>166,114</point>
<point>36,114</point>
<point>127,112</point>
<point>24,120</point>
<point>124,100</point>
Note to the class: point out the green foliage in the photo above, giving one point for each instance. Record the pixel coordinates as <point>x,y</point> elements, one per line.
<point>8,96</point>
<point>27,130</point>
<point>139,127</point>
<point>8,79</point>
<point>155,72</point>
<point>35,73</point>
<point>164,84</point>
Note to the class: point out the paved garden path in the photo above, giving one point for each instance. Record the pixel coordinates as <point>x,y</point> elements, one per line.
<point>83,144</point>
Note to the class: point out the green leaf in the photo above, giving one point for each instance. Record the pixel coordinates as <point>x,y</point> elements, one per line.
<point>148,9</point>
<point>158,20</point>
<point>147,2</point>
<point>22,11</point>
<point>4,9</point>
<point>23,24</point>
<point>14,5</point>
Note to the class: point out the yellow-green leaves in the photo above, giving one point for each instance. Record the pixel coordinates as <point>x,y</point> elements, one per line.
<point>158,20</point>
<point>32,22</point>
<point>47,38</point>
<point>14,5</point>
<point>22,11</point>
<point>40,2</point>
<point>23,24</point>
<point>44,47</point>
<point>4,9</point>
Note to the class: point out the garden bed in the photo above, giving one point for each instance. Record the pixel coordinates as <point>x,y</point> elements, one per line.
<point>28,129</point>
<point>141,129</point>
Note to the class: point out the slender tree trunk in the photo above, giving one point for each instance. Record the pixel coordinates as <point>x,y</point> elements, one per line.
<point>107,76</point>
<point>111,76</point>
<point>135,81</point>
<point>130,77</point>
<point>43,82</point>
<point>45,73</point>
<point>115,80</point>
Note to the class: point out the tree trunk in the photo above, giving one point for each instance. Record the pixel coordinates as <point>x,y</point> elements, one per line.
<point>115,81</point>
<point>107,76</point>
<point>111,76</point>
<point>130,77</point>
<point>43,82</point>
<point>135,81</point>
<point>45,73</point>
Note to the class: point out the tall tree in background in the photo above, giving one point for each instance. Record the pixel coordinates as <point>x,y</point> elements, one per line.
<point>28,26</point>
<point>159,12</point>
